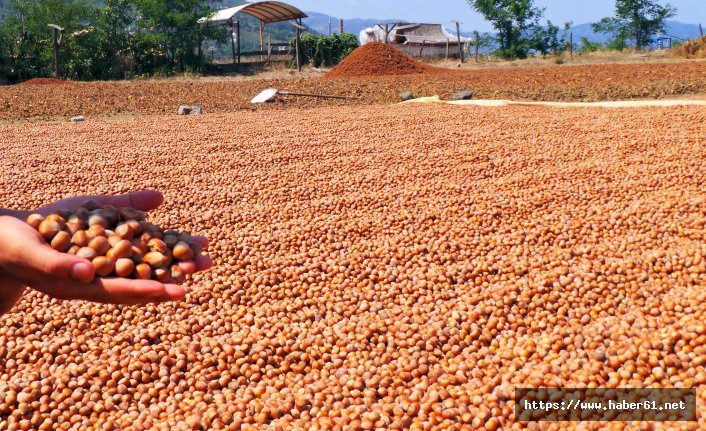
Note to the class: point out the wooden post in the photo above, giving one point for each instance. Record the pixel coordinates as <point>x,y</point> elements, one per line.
<point>571,46</point>
<point>340,26</point>
<point>237,36</point>
<point>476,35</point>
<point>269,48</point>
<point>297,45</point>
<point>701,30</point>
<point>232,41</point>
<point>458,36</point>
<point>262,25</point>
<point>447,48</point>
<point>329,26</point>
<point>421,50</point>
<point>56,32</point>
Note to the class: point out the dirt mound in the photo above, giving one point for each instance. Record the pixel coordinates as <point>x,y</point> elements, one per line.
<point>45,81</point>
<point>695,48</point>
<point>378,59</point>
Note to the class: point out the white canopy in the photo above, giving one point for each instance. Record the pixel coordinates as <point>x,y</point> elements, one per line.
<point>265,11</point>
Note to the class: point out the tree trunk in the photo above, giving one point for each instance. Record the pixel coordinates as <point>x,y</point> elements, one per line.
<point>638,30</point>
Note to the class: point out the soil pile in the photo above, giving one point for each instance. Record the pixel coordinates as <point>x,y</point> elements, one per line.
<point>378,59</point>
<point>695,48</point>
<point>45,81</point>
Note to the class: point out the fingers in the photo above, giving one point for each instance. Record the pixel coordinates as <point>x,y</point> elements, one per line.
<point>10,292</point>
<point>203,262</point>
<point>188,266</point>
<point>200,263</point>
<point>202,240</point>
<point>121,291</point>
<point>143,200</point>
<point>40,262</point>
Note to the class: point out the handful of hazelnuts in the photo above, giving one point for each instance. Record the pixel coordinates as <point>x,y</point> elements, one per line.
<point>119,242</point>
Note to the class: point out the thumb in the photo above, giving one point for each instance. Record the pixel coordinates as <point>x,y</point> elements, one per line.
<point>49,263</point>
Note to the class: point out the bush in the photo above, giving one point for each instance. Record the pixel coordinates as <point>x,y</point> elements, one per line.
<point>324,51</point>
<point>588,46</point>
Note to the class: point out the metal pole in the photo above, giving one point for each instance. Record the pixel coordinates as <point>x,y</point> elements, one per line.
<point>329,26</point>
<point>421,50</point>
<point>447,48</point>
<point>701,30</point>
<point>340,26</point>
<point>571,46</point>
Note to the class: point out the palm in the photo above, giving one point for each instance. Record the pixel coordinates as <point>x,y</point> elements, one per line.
<point>27,260</point>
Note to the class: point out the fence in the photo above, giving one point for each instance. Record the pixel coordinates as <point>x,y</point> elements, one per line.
<point>273,50</point>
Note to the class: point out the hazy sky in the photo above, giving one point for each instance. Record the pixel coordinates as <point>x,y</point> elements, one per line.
<point>444,11</point>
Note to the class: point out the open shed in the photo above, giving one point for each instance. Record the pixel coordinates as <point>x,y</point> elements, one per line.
<point>266,12</point>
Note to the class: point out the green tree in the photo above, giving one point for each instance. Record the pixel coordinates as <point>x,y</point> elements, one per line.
<point>588,46</point>
<point>7,71</point>
<point>548,40</point>
<point>103,49</point>
<point>28,39</point>
<point>170,29</point>
<point>517,25</point>
<point>638,20</point>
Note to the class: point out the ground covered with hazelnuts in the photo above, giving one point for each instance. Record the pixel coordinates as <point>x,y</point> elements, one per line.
<point>376,267</point>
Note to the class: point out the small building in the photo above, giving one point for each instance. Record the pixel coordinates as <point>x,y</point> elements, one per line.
<point>416,39</point>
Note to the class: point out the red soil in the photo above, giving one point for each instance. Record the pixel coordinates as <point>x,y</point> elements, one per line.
<point>378,59</point>
<point>585,83</point>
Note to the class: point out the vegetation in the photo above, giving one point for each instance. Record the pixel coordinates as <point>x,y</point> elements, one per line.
<point>115,39</point>
<point>588,46</point>
<point>636,20</point>
<point>519,32</point>
<point>326,51</point>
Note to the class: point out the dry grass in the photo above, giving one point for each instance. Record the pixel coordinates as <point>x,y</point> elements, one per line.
<point>598,57</point>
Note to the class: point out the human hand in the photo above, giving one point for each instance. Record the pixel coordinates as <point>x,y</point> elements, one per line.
<point>27,260</point>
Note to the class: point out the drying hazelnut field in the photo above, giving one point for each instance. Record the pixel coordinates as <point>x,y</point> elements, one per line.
<point>376,266</point>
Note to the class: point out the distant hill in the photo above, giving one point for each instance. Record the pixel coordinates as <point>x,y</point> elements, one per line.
<point>319,22</point>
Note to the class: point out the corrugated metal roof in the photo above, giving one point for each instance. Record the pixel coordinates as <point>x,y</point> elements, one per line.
<point>266,11</point>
